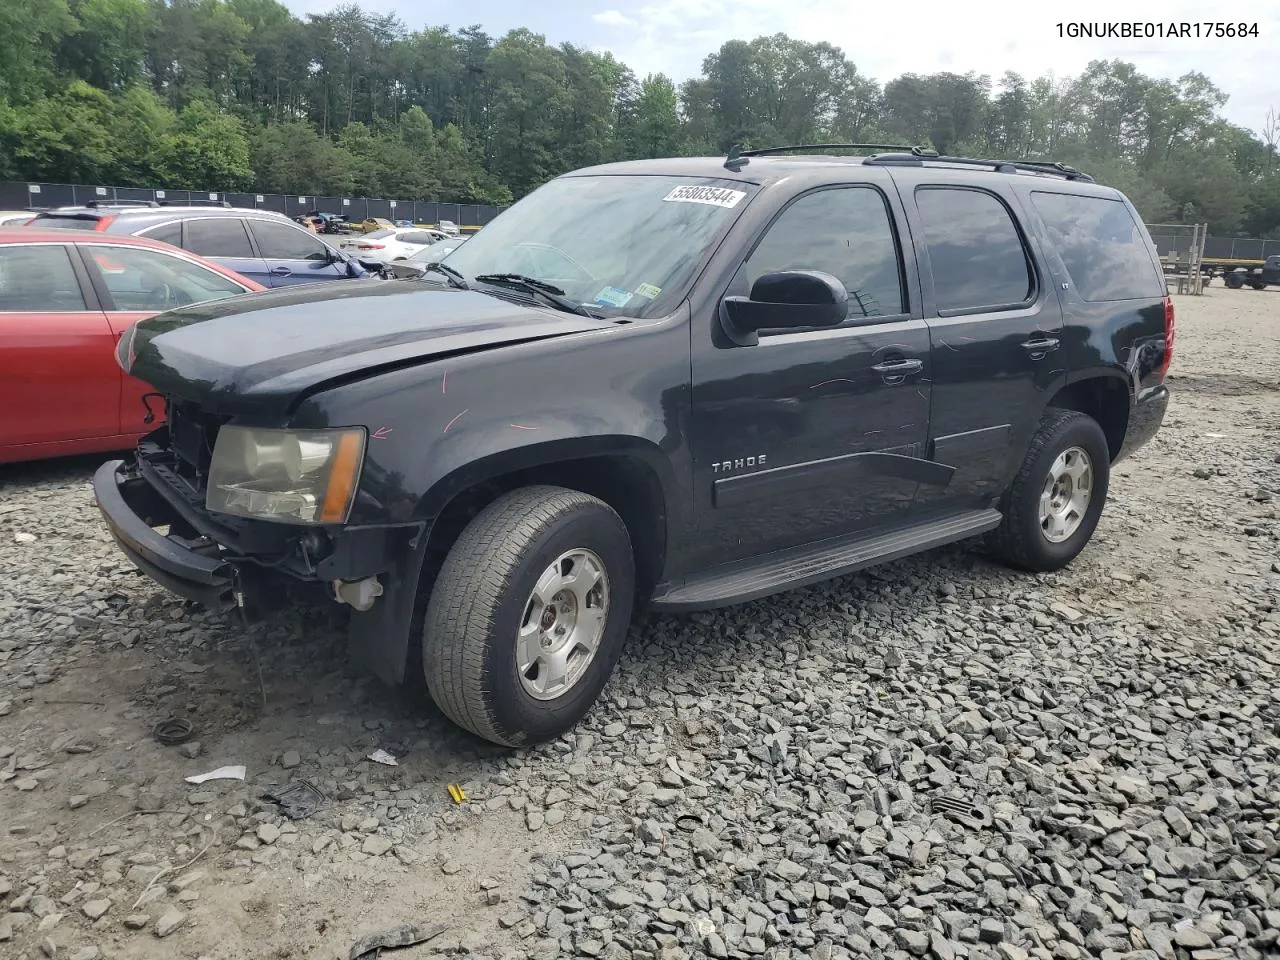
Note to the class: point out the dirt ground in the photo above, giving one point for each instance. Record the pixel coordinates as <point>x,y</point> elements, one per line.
<point>92,656</point>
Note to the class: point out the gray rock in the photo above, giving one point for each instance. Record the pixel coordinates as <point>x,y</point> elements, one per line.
<point>990,930</point>
<point>913,941</point>
<point>1192,939</point>
<point>619,898</point>
<point>170,922</point>
<point>94,909</point>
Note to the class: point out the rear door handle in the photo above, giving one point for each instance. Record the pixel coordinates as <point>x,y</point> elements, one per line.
<point>281,272</point>
<point>899,367</point>
<point>1041,346</point>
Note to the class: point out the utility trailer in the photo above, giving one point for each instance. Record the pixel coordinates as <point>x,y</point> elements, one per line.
<point>1261,276</point>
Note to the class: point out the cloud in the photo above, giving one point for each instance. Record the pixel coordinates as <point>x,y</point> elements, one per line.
<point>613,18</point>
<point>673,37</point>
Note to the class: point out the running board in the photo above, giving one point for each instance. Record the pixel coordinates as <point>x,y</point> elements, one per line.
<point>815,562</point>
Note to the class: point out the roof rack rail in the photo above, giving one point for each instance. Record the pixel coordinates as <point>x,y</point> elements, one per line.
<point>738,158</point>
<point>916,156</point>
<point>98,204</point>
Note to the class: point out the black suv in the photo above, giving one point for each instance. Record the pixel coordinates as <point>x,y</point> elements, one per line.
<point>677,383</point>
<point>264,246</point>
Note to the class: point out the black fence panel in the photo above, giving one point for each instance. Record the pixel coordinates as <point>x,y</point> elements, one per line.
<point>15,195</point>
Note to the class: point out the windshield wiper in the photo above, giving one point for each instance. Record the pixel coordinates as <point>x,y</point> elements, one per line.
<point>456,279</point>
<point>547,291</point>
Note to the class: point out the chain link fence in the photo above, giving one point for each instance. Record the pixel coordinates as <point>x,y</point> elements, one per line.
<point>1181,249</point>
<point>44,196</point>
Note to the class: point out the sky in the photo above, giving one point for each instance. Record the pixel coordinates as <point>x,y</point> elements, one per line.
<point>885,40</point>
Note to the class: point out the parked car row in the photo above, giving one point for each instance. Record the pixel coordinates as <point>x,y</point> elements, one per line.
<point>74,279</point>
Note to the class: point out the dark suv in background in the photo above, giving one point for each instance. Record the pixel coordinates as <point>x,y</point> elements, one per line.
<point>259,244</point>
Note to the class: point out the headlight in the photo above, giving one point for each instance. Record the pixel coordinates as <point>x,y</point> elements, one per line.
<point>294,476</point>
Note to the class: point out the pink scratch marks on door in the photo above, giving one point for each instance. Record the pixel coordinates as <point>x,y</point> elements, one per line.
<point>381,433</point>
<point>453,421</point>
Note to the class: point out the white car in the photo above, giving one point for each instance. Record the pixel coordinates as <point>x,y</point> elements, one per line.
<point>388,245</point>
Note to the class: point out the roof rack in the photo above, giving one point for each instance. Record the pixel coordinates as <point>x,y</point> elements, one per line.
<point>99,204</point>
<point>738,158</point>
<point>916,156</point>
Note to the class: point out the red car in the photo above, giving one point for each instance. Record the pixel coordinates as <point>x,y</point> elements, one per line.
<point>65,299</point>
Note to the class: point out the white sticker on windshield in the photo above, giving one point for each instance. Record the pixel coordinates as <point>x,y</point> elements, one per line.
<point>716,196</point>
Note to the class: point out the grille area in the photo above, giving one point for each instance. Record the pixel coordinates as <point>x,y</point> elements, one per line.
<point>191,437</point>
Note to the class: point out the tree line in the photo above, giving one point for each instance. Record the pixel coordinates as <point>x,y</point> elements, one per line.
<point>241,94</point>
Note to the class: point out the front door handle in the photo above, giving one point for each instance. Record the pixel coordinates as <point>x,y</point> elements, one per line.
<point>1039,347</point>
<point>281,272</point>
<point>898,368</point>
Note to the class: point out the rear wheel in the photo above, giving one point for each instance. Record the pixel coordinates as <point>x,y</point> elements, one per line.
<point>528,615</point>
<point>1053,506</point>
<point>1233,279</point>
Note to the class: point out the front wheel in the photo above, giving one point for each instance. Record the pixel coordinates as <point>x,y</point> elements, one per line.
<point>1056,500</point>
<point>528,615</point>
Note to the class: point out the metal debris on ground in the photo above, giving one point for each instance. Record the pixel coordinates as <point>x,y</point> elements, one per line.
<point>962,811</point>
<point>386,759</point>
<point>232,772</point>
<point>370,946</point>
<point>172,731</point>
<point>456,793</point>
<point>689,778</point>
<point>299,800</point>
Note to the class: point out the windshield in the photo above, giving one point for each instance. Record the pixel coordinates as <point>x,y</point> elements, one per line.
<point>622,245</point>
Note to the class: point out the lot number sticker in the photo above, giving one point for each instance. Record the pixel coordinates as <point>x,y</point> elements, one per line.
<point>716,196</point>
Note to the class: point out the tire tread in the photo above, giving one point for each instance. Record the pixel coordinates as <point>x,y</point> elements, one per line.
<point>1008,541</point>
<point>472,582</point>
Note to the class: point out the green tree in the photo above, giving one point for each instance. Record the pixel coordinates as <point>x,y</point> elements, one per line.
<point>30,32</point>
<point>529,102</point>
<point>108,45</point>
<point>209,150</point>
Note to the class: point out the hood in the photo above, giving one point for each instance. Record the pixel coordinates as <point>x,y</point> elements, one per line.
<point>265,351</point>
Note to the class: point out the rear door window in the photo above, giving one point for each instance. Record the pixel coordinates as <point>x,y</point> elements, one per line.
<point>170,233</point>
<point>1101,245</point>
<point>38,279</point>
<point>975,250</point>
<point>218,237</point>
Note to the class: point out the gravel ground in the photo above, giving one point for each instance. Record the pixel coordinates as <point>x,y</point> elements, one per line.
<point>936,758</point>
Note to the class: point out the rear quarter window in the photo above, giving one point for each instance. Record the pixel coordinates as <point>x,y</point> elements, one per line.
<point>1101,245</point>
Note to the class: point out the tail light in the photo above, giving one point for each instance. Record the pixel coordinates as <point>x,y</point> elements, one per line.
<point>369,246</point>
<point>1169,330</point>
<point>102,224</point>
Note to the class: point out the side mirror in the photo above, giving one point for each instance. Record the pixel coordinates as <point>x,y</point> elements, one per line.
<point>792,298</point>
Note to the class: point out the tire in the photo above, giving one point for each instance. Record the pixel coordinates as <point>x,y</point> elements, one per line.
<point>1257,284</point>
<point>1022,540</point>
<point>1233,279</point>
<point>483,593</point>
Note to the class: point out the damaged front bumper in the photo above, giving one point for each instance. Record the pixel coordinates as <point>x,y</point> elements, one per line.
<point>191,567</point>
<point>224,567</point>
